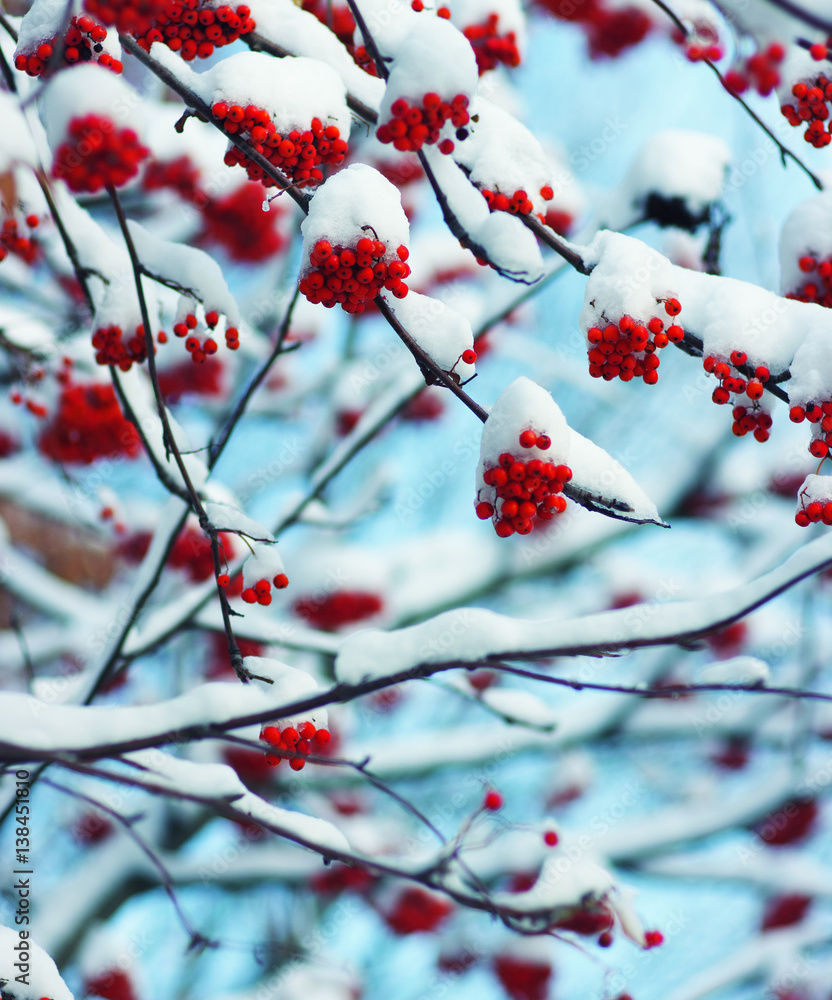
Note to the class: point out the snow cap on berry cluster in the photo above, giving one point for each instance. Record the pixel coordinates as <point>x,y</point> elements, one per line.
<point>807,232</point>
<point>264,564</point>
<point>293,90</point>
<point>300,32</point>
<point>288,685</point>
<point>47,19</point>
<point>440,331</point>
<point>503,155</point>
<point>510,17</point>
<point>524,405</point>
<point>388,23</point>
<point>798,67</point>
<point>41,22</point>
<point>815,489</point>
<point>508,243</point>
<point>434,58</point>
<point>349,202</point>
<point>673,164</point>
<point>90,90</point>
<point>628,279</point>
<point>191,268</point>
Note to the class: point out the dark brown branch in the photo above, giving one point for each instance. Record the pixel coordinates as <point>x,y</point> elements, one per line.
<point>172,447</point>
<point>554,242</point>
<point>216,449</point>
<point>426,363</point>
<point>198,940</point>
<point>194,101</point>
<point>784,152</point>
<point>806,16</point>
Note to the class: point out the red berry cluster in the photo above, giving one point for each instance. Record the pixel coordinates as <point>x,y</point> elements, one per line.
<point>760,71</point>
<point>180,175</point>
<point>110,349</point>
<point>526,489</point>
<point>236,221</point>
<point>303,740</point>
<point>353,276</point>
<point>87,425</point>
<point>33,406</point>
<point>491,48</point>
<point>412,127</point>
<point>186,379</point>
<point>523,978</point>
<point>201,350</point>
<point>610,31</point>
<point>629,349</point>
<point>814,511</point>
<point>820,416</point>
<point>338,18</point>
<point>416,910</point>
<point>97,153</point>
<point>747,420</point>
<point>298,154</point>
<point>25,247</point>
<point>818,286</point>
<point>131,17</point>
<point>518,203</point>
<point>811,109</point>
<point>261,592</point>
<point>343,607</point>
<point>194,29</point>
<point>81,43</point>
<point>191,552</point>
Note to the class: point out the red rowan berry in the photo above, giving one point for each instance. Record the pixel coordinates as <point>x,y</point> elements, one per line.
<point>484,510</point>
<point>672,307</point>
<point>469,356</point>
<point>223,580</point>
<point>281,581</point>
<point>493,801</point>
<point>550,838</point>
<point>249,595</point>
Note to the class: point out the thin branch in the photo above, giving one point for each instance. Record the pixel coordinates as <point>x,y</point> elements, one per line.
<point>216,449</point>
<point>666,692</point>
<point>554,242</point>
<point>806,16</point>
<point>161,472</point>
<point>426,363</point>
<point>81,272</point>
<point>198,940</point>
<point>361,768</point>
<point>784,151</point>
<point>234,653</point>
<point>193,100</point>
<point>6,25</point>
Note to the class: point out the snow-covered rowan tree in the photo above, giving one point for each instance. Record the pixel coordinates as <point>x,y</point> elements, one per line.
<point>386,609</point>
